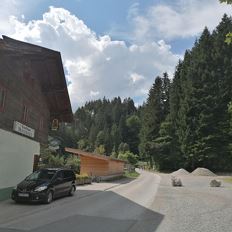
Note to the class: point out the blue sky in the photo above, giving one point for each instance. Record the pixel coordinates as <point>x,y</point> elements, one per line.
<point>111,47</point>
<point>103,16</point>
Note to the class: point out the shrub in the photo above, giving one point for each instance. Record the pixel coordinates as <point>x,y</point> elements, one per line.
<point>73,162</point>
<point>83,179</point>
<point>129,157</point>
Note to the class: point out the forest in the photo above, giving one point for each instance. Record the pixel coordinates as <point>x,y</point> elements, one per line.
<point>186,120</point>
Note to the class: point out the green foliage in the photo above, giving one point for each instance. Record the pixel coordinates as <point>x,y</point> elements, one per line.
<point>73,162</point>
<point>45,155</point>
<point>65,135</point>
<point>230,113</point>
<point>163,146</point>
<point>200,95</point>
<point>228,180</point>
<point>185,122</point>
<point>100,150</point>
<point>132,174</point>
<point>83,179</point>
<point>195,128</point>
<point>123,147</point>
<point>226,1</point>
<point>50,159</point>
<point>129,157</point>
<point>104,123</point>
<point>56,161</point>
<point>228,39</point>
<point>133,125</point>
<point>230,129</point>
<point>82,144</point>
<point>100,138</point>
<point>114,154</point>
<point>154,113</point>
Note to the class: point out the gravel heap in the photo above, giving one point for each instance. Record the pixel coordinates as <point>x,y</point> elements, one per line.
<point>202,172</point>
<point>180,172</point>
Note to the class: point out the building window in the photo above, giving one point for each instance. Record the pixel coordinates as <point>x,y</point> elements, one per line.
<point>2,98</point>
<point>25,114</point>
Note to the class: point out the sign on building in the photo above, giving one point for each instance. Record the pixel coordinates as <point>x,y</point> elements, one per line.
<point>22,129</point>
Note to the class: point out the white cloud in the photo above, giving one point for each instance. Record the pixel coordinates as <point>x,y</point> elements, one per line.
<point>180,18</point>
<point>99,66</point>
<point>9,8</point>
<point>135,77</point>
<point>96,66</point>
<point>94,93</point>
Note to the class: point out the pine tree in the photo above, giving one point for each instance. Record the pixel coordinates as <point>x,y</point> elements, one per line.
<point>152,118</point>
<point>133,127</point>
<point>116,137</point>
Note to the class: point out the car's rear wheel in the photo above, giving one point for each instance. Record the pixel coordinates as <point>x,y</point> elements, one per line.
<point>72,191</point>
<point>49,197</point>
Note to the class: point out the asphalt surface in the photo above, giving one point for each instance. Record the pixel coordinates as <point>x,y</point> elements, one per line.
<point>111,207</point>
<point>146,204</point>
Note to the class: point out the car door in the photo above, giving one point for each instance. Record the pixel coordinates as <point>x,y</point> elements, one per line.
<point>59,184</point>
<point>68,180</point>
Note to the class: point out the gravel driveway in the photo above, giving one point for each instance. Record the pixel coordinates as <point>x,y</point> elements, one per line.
<point>194,207</point>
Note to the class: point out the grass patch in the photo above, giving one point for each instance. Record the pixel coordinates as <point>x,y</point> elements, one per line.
<point>132,174</point>
<point>228,180</point>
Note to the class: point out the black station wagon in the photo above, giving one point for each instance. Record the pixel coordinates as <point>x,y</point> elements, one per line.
<point>45,185</point>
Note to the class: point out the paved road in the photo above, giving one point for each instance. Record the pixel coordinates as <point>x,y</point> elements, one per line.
<point>122,206</point>
<point>146,204</point>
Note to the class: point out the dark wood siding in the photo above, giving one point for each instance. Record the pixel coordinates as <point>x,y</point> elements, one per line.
<point>23,89</point>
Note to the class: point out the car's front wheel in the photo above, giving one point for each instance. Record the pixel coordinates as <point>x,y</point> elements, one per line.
<point>72,191</point>
<point>49,197</point>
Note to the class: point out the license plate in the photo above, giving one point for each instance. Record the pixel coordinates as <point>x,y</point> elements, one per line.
<point>23,194</point>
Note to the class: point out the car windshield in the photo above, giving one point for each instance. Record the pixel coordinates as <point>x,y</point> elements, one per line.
<point>42,175</point>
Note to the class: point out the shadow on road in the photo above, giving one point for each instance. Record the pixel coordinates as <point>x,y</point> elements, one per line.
<point>87,211</point>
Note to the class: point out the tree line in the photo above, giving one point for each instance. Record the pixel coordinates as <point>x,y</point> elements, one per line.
<point>185,122</point>
<point>197,129</point>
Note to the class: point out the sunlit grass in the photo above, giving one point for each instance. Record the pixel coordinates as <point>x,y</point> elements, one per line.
<point>132,174</point>
<point>228,180</point>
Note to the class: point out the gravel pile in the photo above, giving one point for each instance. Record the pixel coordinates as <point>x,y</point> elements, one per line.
<point>180,172</point>
<point>202,172</point>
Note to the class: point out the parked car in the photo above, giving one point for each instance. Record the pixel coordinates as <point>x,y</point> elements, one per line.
<point>45,185</point>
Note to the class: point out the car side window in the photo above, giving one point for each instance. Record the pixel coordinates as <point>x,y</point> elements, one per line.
<point>60,175</point>
<point>67,175</point>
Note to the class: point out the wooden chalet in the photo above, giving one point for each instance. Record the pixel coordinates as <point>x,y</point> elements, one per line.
<point>33,93</point>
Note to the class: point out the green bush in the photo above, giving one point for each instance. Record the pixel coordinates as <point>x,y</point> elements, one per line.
<point>56,161</point>
<point>50,159</point>
<point>129,157</point>
<point>73,162</point>
<point>83,179</point>
<point>131,175</point>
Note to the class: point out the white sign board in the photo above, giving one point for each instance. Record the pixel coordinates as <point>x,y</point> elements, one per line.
<point>22,129</point>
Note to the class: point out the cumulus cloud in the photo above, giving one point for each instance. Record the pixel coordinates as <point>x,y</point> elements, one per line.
<point>97,66</point>
<point>180,18</point>
<point>13,8</point>
<point>135,77</point>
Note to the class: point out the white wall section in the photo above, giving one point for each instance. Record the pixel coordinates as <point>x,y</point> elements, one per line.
<point>16,158</point>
